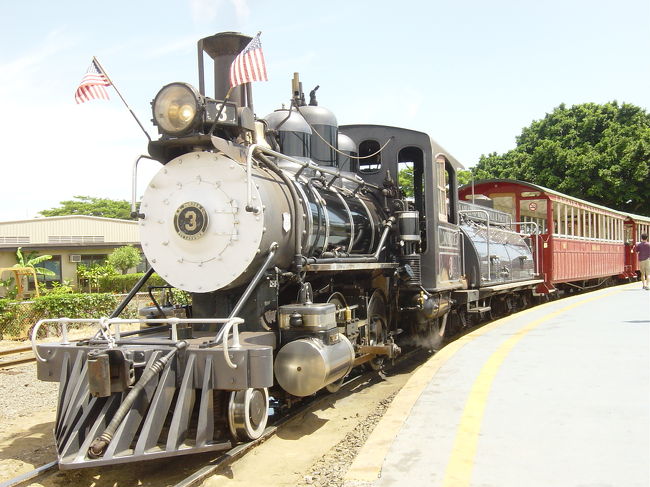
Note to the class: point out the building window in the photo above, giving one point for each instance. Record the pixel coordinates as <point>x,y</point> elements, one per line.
<point>54,265</point>
<point>90,260</point>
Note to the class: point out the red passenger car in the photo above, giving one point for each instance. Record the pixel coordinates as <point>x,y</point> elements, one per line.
<point>582,243</point>
<point>635,226</point>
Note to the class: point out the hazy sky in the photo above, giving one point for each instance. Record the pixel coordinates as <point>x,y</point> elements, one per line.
<point>470,73</point>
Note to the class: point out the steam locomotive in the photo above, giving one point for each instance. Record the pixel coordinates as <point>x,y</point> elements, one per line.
<point>304,256</point>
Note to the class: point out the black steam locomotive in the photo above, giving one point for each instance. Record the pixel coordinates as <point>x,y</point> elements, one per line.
<point>305,257</point>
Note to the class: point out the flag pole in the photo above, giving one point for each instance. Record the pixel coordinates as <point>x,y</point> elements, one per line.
<point>121,97</point>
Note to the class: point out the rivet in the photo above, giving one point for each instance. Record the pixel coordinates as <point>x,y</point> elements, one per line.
<point>166,243</point>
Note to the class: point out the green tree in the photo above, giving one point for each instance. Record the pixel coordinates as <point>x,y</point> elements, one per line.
<point>123,258</point>
<point>32,260</point>
<point>464,177</point>
<point>91,206</point>
<point>405,181</point>
<point>600,153</point>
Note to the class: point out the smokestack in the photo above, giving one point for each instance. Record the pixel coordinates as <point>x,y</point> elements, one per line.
<point>223,48</point>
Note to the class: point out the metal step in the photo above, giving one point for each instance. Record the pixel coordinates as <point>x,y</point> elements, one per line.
<point>479,309</point>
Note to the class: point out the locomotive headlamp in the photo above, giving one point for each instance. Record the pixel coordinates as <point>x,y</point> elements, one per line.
<point>175,108</point>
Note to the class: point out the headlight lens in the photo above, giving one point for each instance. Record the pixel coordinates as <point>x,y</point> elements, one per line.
<point>175,108</point>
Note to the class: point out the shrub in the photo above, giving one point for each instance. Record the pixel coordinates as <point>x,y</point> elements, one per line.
<point>122,283</point>
<point>75,305</point>
<point>59,288</point>
<point>9,325</point>
<point>89,276</point>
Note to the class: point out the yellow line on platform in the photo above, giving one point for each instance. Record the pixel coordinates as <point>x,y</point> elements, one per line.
<point>461,461</point>
<point>366,467</point>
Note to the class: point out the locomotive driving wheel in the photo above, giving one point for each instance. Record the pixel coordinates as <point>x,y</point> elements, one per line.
<point>436,332</point>
<point>377,326</point>
<point>248,413</point>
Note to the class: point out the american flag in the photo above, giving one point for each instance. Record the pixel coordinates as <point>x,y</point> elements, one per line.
<point>92,85</point>
<point>249,64</point>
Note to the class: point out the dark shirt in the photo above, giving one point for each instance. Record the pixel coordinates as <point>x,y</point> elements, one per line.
<point>643,249</point>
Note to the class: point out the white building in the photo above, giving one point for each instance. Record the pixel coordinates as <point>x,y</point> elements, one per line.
<point>70,240</point>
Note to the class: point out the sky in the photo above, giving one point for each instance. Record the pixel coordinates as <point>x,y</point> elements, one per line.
<point>470,73</point>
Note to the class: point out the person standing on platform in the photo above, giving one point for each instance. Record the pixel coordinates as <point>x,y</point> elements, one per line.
<point>643,249</point>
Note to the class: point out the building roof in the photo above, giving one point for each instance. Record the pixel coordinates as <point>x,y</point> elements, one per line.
<point>68,231</point>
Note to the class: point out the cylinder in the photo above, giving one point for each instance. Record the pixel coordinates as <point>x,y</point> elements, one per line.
<point>304,366</point>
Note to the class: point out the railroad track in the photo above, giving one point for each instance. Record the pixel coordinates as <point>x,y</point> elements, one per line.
<point>16,356</point>
<point>215,465</point>
<point>369,377</point>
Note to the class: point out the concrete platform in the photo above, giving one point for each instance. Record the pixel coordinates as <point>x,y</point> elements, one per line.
<point>558,395</point>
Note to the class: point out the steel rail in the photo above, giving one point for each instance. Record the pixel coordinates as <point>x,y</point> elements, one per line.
<point>18,361</point>
<point>30,475</point>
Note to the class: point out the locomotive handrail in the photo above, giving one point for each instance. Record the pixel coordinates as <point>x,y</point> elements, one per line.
<point>105,323</point>
<point>249,180</point>
<point>134,184</point>
<point>244,297</point>
<point>535,225</point>
<point>487,237</point>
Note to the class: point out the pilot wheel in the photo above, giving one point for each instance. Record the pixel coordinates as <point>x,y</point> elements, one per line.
<point>248,413</point>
